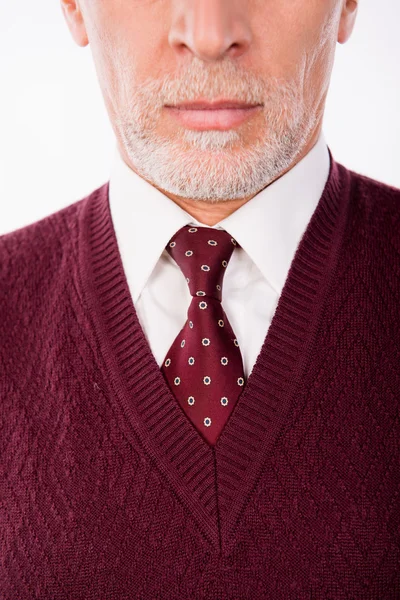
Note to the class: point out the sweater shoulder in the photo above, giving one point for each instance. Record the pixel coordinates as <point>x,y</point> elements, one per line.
<point>43,244</point>
<point>36,249</point>
<point>35,263</point>
<point>377,202</point>
<point>371,245</point>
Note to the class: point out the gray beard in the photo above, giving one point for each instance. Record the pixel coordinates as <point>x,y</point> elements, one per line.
<point>216,166</point>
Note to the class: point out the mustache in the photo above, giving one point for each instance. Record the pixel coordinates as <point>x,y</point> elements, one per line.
<point>213,82</point>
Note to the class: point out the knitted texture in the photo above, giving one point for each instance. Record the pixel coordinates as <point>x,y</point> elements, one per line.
<point>108,492</point>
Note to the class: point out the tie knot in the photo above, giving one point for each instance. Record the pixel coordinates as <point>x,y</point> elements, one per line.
<point>203,254</point>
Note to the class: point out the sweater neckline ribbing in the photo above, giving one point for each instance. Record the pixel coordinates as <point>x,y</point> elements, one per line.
<point>212,482</point>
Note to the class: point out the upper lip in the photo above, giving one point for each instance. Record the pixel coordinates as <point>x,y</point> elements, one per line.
<point>215,105</point>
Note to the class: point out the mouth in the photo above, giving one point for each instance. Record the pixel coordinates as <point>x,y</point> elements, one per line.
<point>213,105</point>
<point>218,115</point>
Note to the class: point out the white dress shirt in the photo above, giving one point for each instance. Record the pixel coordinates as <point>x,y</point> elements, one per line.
<point>268,228</point>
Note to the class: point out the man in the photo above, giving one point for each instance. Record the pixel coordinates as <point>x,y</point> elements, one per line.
<point>201,359</point>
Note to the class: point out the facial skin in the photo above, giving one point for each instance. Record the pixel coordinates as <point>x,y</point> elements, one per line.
<point>149,53</point>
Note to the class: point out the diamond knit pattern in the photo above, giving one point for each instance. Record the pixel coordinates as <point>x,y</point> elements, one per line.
<point>204,366</point>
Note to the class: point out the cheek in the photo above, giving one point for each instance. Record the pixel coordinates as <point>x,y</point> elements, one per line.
<point>130,55</point>
<point>297,32</point>
<point>311,49</point>
<point>284,42</point>
<point>321,53</point>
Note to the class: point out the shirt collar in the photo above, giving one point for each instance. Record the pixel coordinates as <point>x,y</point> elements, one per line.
<point>269,227</point>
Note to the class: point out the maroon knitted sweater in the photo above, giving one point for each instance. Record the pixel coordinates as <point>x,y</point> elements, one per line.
<point>107,490</point>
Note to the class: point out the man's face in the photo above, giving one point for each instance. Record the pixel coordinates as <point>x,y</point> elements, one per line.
<point>152,53</point>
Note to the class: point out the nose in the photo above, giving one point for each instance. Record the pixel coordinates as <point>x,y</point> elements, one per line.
<point>210,29</point>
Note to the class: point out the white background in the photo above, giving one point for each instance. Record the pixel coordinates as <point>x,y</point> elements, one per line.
<point>56,143</point>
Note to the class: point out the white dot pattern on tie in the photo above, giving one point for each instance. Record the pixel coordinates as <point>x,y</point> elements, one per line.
<point>205,370</point>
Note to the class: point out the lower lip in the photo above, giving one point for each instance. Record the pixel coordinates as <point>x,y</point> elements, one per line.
<point>220,119</point>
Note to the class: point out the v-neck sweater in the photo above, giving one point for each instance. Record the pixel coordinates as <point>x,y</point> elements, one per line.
<point>268,229</point>
<point>108,491</point>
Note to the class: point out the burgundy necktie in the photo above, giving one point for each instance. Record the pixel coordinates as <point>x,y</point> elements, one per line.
<point>204,367</point>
